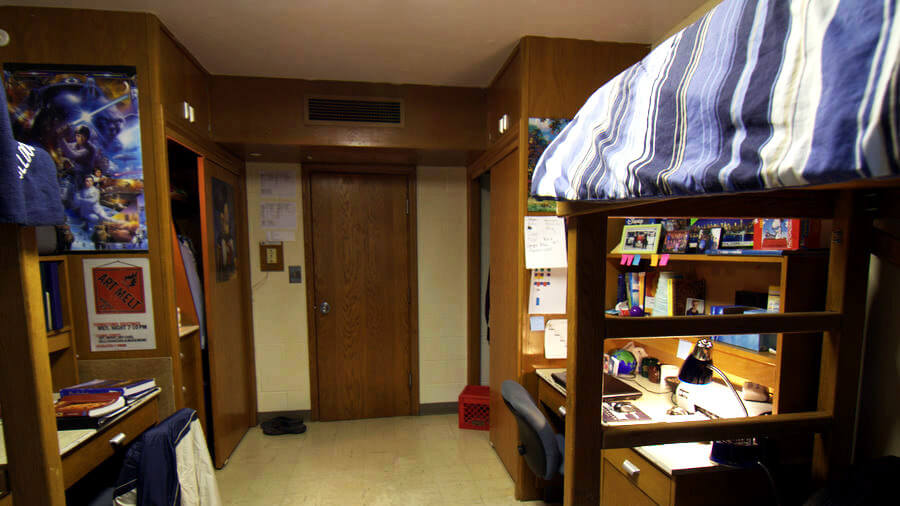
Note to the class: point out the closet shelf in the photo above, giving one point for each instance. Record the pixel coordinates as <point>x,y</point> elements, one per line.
<point>671,326</point>
<point>187,330</point>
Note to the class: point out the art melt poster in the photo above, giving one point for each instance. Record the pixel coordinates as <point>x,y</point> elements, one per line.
<point>119,303</point>
<point>87,119</point>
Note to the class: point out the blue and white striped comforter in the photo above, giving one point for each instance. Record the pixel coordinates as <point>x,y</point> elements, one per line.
<point>757,94</point>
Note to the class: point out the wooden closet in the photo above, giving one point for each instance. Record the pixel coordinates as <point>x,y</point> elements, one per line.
<point>543,78</point>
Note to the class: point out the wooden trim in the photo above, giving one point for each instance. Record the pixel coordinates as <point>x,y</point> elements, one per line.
<point>627,436</point>
<point>309,261</point>
<point>503,147</point>
<point>771,204</point>
<point>667,326</point>
<point>473,287</point>
<point>410,172</point>
<point>412,248</point>
<point>247,289</point>
<point>203,147</point>
<point>438,408</point>
<point>32,448</point>
<point>6,500</point>
<point>842,348</point>
<point>585,299</point>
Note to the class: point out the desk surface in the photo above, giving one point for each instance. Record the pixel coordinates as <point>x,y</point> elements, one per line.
<point>71,439</point>
<point>675,458</point>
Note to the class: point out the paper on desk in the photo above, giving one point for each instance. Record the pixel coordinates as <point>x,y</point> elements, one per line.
<point>556,338</point>
<point>545,242</point>
<point>537,323</point>
<point>548,291</point>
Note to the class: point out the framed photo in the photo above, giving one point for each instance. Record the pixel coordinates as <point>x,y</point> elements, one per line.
<point>641,238</point>
<point>715,238</point>
<point>676,241</point>
<point>694,307</point>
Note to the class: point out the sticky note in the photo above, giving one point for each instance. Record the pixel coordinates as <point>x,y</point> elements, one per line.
<point>537,323</point>
<point>664,260</point>
<point>624,260</point>
<point>654,260</point>
<point>636,260</point>
<point>684,349</point>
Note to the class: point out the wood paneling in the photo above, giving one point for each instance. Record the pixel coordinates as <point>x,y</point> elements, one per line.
<point>504,96</point>
<point>617,489</point>
<point>562,73</point>
<point>649,480</point>
<point>506,277</point>
<point>586,239</point>
<point>473,282</point>
<point>270,111</point>
<point>35,470</point>
<point>183,80</point>
<point>229,370</point>
<point>364,342</point>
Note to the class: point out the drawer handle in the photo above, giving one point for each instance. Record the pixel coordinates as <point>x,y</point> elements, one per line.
<point>562,410</point>
<point>632,470</point>
<point>118,439</point>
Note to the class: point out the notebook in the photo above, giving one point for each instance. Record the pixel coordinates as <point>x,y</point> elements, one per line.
<point>613,388</point>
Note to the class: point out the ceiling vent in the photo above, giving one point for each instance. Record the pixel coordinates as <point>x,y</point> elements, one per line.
<point>385,112</point>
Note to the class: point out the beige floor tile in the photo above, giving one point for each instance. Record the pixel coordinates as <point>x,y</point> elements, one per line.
<point>415,461</point>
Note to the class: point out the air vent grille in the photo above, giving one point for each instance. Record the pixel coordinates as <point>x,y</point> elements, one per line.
<point>358,111</point>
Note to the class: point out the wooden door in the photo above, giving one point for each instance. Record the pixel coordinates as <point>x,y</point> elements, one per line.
<point>230,372</point>
<point>504,318</point>
<point>361,265</point>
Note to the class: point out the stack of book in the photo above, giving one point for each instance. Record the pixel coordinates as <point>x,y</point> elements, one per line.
<point>93,404</point>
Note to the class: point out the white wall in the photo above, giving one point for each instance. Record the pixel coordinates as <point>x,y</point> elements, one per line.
<point>878,431</point>
<point>441,210</point>
<point>279,308</point>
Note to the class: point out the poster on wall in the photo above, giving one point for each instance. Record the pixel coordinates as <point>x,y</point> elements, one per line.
<point>87,119</point>
<point>119,303</point>
<point>541,132</point>
<point>223,227</point>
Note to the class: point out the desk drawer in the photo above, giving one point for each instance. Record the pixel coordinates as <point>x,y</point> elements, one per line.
<point>550,397</point>
<point>650,480</point>
<point>83,459</point>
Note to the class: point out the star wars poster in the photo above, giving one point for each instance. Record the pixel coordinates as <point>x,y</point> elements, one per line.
<point>223,227</point>
<point>87,119</point>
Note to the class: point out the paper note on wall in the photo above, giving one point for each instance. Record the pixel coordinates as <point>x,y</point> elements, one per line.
<point>280,236</point>
<point>278,215</point>
<point>548,291</point>
<point>279,184</point>
<point>545,242</point>
<point>556,338</point>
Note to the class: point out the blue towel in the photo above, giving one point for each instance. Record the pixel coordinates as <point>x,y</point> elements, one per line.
<point>29,191</point>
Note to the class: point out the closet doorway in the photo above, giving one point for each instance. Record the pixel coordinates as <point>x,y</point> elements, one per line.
<point>361,260</point>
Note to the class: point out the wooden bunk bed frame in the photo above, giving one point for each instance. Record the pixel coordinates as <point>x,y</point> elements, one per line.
<point>857,231</point>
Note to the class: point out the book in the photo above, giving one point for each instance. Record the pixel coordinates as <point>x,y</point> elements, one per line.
<point>89,405</point>
<point>55,296</point>
<point>126,387</point>
<point>87,422</point>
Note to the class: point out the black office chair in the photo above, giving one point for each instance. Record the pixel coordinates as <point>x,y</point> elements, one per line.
<point>542,448</point>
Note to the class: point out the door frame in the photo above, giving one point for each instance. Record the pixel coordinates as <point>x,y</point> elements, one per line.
<point>306,170</point>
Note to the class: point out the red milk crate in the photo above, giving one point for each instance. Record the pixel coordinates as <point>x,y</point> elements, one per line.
<point>475,408</point>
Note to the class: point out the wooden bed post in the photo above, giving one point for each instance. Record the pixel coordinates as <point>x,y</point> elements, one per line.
<point>585,307</point>
<point>32,448</point>
<point>848,274</point>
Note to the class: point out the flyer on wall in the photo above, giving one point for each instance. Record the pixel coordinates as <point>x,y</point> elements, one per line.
<point>119,304</point>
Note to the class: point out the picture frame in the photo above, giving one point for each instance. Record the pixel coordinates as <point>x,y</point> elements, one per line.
<point>694,307</point>
<point>641,238</point>
<point>676,241</point>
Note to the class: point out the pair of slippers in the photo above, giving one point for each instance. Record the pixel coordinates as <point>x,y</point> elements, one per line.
<point>283,425</point>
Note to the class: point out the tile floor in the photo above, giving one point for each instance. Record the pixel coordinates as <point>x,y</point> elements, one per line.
<point>422,460</point>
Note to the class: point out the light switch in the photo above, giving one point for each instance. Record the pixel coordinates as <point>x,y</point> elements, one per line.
<point>271,256</point>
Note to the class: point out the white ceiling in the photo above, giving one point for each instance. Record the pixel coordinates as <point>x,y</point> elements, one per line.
<point>438,42</point>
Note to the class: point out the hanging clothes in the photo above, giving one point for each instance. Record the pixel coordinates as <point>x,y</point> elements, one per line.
<point>190,269</point>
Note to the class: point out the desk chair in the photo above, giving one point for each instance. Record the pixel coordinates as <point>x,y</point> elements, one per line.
<point>542,448</point>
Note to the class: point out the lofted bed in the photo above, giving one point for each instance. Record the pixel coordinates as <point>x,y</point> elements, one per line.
<point>760,109</point>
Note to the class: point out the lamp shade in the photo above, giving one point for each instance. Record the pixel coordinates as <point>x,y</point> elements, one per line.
<point>697,367</point>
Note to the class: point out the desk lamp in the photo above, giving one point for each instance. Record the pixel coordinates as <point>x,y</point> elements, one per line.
<point>697,369</point>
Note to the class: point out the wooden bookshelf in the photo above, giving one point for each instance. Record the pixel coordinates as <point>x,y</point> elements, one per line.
<point>687,257</point>
<point>59,340</point>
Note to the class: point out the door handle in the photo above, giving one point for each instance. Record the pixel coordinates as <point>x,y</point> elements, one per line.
<point>325,308</point>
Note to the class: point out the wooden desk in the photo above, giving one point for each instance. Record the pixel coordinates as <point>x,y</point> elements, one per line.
<point>670,475</point>
<point>84,449</point>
